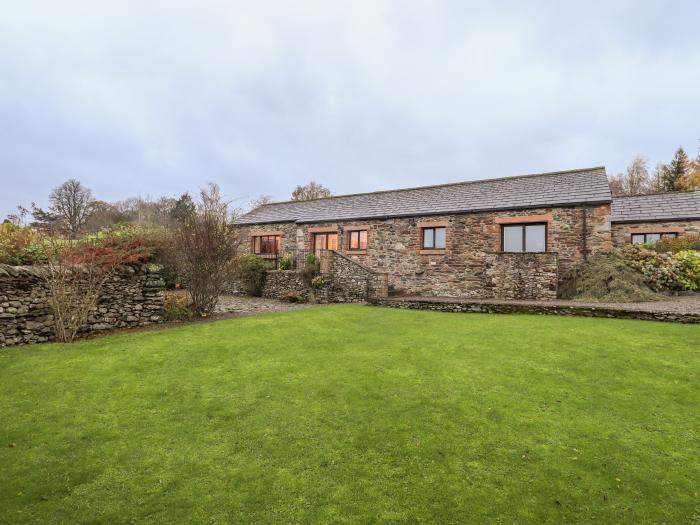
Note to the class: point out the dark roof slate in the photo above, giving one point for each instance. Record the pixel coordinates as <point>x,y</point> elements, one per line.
<point>662,206</point>
<point>561,188</point>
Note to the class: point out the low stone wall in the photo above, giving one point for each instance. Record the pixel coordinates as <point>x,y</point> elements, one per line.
<point>522,275</point>
<point>279,283</point>
<point>347,281</point>
<point>544,308</point>
<point>133,297</point>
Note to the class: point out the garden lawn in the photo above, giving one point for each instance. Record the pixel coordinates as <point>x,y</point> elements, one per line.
<point>357,414</point>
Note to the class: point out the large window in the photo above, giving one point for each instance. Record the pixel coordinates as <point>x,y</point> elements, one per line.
<point>357,240</point>
<point>325,241</point>
<point>266,245</point>
<point>524,238</point>
<point>433,238</point>
<point>640,238</point>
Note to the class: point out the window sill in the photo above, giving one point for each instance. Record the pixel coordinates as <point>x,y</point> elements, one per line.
<point>433,252</point>
<point>524,253</point>
<point>356,252</point>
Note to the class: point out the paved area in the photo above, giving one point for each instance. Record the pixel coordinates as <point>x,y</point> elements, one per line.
<point>682,304</point>
<point>234,304</point>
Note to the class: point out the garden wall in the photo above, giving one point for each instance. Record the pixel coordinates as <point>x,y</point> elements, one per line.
<point>133,297</point>
<point>522,275</point>
<point>544,308</point>
<point>346,281</point>
<point>279,283</point>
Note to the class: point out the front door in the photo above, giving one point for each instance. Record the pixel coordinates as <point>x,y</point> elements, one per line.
<point>325,241</point>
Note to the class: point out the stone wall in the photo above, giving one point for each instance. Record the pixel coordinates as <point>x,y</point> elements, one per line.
<point>522,275</point>
<point>552,308</point>
<point>347,281</point>
<point>279,283</point>
<point>133,297</point>
<point>463,268</point>
<point>622,232</point>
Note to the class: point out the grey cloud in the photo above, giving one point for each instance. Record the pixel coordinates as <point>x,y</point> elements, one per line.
<point>160,97</point>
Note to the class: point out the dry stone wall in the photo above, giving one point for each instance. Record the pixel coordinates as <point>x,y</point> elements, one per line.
<point>133,297</point>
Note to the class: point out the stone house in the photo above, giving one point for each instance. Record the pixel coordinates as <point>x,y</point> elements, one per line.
<point>648,218</point>
<point>511,237</point>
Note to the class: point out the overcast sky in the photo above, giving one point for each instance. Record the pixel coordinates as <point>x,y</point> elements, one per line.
<point>156,98</point>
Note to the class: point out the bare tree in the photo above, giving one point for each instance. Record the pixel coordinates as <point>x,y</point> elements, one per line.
<point>70,202</point>
<point>205,245</point>
<point>635,180</point>
<point>260,201</point>
<point>312,190</point>
<point>75,276</point>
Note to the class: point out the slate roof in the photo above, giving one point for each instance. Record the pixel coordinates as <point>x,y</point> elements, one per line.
<point>561,188</point>
<point>662,206</point>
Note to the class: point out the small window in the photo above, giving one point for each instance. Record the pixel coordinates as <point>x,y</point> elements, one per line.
<point>434,238</point>
<point>266,245</point>
<point>641,238</point>
<point>530,238</point>
<point>358,240</point>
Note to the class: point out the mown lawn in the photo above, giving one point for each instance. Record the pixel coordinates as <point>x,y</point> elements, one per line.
<point>357,414</point>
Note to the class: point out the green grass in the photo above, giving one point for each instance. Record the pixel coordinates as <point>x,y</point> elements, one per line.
<point>357,414</point>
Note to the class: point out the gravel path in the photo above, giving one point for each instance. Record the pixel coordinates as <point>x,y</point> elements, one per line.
<point>234,304</point>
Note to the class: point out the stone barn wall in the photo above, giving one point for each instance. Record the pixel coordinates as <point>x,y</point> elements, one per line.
<point>465,267</point>
<point>133,297</point>
<point>622,232</point>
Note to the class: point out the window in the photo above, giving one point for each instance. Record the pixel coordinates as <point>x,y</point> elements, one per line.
<point>531,238</point>
<point>266,245</point>
<point>325,241</point>
<point>358,240</point>
<point>433,238</point>
<point>640,238</point>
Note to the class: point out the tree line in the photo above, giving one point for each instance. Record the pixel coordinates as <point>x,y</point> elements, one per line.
<point>681,174</point>
<point>73,210</point>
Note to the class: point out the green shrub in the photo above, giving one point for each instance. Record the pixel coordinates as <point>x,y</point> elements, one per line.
<point>176,308</point>
<point>286,262</point>
<point>688,262</point>
<point>606,277</point>
<point>318,282</point>
<point>21,245</point>
<point>665,270</point>
<point>678,244</point>
<point>311,268</point>
<point>251,272</point>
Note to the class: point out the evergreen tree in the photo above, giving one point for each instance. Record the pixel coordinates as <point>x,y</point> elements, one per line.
<point>674,173</point>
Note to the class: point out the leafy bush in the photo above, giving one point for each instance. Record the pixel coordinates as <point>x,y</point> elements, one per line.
<point>311,268</point>
<point>293,296</point>
<point>251,272</point>
<point>176,308</point>
<point>318,282</point>
<point>21,246</point>
<point>678,244</point>
<point>286,262</point>
<point>606,277</point>
<point>665,271</point>
<point>688,262</point>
